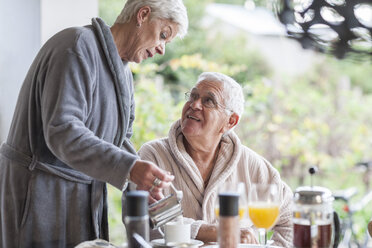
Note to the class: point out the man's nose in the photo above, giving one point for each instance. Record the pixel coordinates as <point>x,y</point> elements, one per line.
<point>196,104</point>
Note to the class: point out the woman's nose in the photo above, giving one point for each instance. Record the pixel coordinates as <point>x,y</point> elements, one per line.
<point>161,49</point>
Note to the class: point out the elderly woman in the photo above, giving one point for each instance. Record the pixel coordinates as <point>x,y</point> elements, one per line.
<point>72,124</point>
<point>203,153</point>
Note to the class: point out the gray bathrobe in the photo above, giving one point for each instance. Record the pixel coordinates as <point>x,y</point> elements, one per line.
<point>70,134</point>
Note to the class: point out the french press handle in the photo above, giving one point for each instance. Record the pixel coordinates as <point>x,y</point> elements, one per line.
<point>336,222</point>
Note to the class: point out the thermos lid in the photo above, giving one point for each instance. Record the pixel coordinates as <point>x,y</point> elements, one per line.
<point>229,204</point>
<point>137,203</point>
<point>312,195</point>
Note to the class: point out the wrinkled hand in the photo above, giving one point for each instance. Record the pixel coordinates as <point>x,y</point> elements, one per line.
<point>247,236</point>
<point>144,173</point>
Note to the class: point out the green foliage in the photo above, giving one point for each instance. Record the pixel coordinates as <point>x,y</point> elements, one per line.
<point>202,51</point>
<point>110,9</point>
<point>359,73</point>
<point>327,126</point>
<point>237,2</point>
<point>155,111</point>
<point>116,226</point>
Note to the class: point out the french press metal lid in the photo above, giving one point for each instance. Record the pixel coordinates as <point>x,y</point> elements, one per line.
<point>312,195</point>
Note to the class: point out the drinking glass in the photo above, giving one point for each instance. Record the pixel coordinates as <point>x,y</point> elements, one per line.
<point>232,188</point>
<point>263,208</point>
<point>242,200</point>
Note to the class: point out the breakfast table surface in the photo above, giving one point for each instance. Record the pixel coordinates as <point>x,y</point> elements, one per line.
<point>99,243</point>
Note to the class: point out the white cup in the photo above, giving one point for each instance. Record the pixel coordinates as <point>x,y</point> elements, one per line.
<point>176,232</point>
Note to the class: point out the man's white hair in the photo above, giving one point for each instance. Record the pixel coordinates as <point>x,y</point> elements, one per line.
<point>233,92</point>
<point>173,10</point>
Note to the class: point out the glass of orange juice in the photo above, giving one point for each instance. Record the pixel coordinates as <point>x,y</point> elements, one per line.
<point>263,208</point>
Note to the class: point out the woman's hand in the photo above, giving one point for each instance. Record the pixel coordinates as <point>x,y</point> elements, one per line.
<point>151,178</point>
<point>247,236</point>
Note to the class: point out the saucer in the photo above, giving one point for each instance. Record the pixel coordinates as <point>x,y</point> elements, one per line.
<point>161,243</point>
<point>247,246</point>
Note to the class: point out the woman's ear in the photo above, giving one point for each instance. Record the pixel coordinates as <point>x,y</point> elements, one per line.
<point>233,120</point>
<point>143,14</point>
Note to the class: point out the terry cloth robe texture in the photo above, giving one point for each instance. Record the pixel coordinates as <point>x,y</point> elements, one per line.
<point>69,135</point>
<point>235,163</point>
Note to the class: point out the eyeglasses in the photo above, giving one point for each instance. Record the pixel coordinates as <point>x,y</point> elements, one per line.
<point>207,101</point>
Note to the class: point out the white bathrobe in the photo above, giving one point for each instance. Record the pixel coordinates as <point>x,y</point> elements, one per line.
<point>235,163</point>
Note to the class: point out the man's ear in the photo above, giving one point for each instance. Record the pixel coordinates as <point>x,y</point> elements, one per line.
<point>233,120</point>
<point>143,14</point>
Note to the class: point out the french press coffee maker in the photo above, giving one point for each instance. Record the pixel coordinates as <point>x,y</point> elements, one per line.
<point>315,223</point>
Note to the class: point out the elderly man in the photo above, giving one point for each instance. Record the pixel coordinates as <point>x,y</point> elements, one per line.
<point>203,152</point>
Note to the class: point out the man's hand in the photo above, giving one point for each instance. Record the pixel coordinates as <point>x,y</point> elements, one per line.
<point>208,233</point>
<point>145,174</point>
<point>247,236</point>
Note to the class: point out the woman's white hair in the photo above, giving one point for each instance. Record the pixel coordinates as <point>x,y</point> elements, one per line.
<point>173,10</point>
<point>233,92</point>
